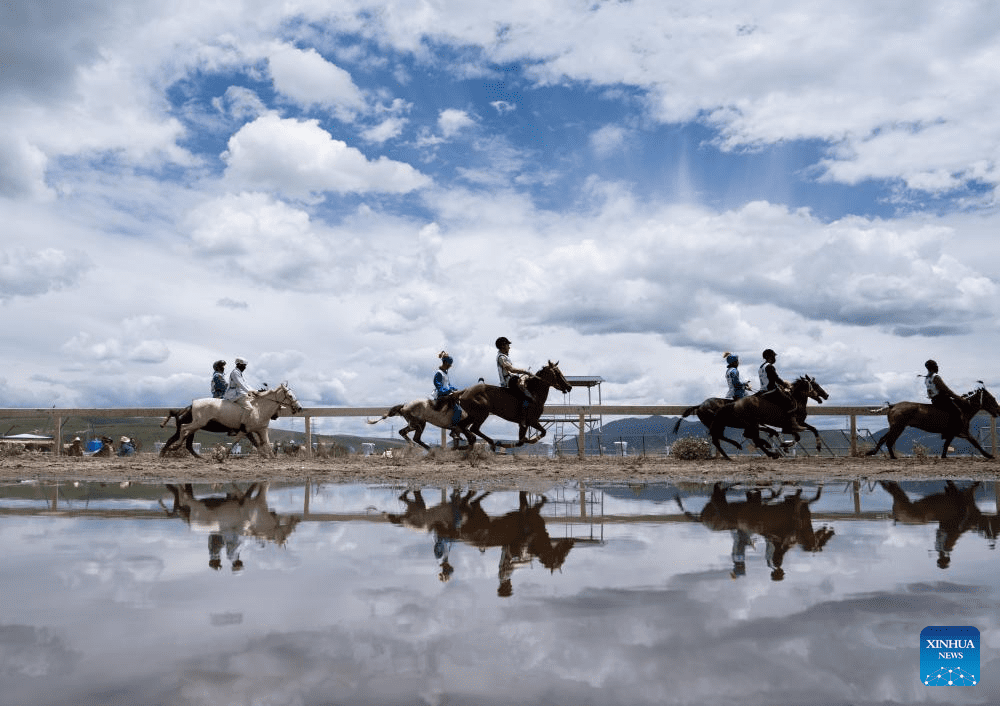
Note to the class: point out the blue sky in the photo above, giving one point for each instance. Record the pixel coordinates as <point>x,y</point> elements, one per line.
<point>339,191</point>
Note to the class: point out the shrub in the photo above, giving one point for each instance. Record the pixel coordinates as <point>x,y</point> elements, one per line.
<point>691,448</point>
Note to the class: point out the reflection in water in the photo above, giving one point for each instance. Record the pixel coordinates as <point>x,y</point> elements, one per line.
<point>954,511</point>
<point>106,596</point>
<point>230,518</point>
<point>520,534</point>
<point>781,522</point>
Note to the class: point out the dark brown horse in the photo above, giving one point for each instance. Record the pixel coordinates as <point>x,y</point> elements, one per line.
<point>754,412</point>
<point>480,401</point>
<point>930,418</point>
<point>954,511</point>
<point>707,410</point>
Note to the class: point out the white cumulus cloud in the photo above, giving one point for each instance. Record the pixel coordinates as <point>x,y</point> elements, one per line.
<point>301,159</point>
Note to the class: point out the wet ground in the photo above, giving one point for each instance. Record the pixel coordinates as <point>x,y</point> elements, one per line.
<point>143,582</point>
<point>485,470</point>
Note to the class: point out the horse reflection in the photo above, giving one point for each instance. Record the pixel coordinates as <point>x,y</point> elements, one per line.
<point>954,510</point>
<point>521,534</point>
<point>781,523</point>
<point>442,520</point>
<point>230,518</point>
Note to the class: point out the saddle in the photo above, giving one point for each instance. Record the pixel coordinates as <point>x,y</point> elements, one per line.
<point>442,403</point>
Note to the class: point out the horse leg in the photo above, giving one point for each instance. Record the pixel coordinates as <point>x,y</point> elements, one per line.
<point>541,432</point>
<point>189,443</point>
<point>753,434</point>
<point>717,436</point>
<point>944,447</point>
<point>889,439</point>
<point>968,437</point>
<point>418,429</point>
<point>474,427</point>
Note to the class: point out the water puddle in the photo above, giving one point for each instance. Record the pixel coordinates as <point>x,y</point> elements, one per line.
<point>609,593</point>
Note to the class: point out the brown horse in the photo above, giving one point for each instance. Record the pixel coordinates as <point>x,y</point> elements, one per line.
<point>930,418</point>
<point>707,410</point>
<point>754,412</point>
<point>480,401</point>
<point>954,510</point>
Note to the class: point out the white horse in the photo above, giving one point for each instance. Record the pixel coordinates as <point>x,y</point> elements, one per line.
<point>217,415</point>
<point>418,412</point>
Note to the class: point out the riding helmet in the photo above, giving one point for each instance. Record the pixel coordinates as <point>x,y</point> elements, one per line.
<point>503,340</point>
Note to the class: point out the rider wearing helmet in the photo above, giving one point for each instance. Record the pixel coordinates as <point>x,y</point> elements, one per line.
<point>737,387</point>
<point>219,379</point>
<point>240,392</point>
<point>512,378</point>
<point>444,390</point>
<point>941,395</point>
<point>775,390</point>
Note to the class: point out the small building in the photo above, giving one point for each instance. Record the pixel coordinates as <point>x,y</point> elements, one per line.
<point>29,442</point>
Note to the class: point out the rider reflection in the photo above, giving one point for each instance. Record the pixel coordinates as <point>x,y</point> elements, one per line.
<point>521,534</point>
<point>231,518</point>
<point>231,542</point>
<point>954,510</point>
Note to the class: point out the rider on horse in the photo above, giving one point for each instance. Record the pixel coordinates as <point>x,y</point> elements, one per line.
<point>737,386</point>
<point>240,392</point>
<point>443,389</point>
<point>942,397</point>
<point>775,390</point>
<point>510,377</point>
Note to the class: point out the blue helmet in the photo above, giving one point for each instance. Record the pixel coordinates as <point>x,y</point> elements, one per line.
<point>732,359</point>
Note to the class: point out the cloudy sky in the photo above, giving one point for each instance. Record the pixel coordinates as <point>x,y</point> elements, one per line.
<point>339,190</point>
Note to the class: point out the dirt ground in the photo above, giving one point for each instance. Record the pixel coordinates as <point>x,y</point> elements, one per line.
<point>451,468</point>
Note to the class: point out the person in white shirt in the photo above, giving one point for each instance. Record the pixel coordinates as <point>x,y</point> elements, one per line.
<point>239,391</point>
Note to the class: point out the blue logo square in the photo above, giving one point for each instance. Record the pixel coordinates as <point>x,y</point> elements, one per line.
<point>949,655</point>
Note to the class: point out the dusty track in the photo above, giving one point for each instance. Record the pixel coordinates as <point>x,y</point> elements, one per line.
<point>449,468</point>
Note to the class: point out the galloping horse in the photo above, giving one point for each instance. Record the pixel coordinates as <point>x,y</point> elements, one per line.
<point>930,418</point>
<point>418,412</point>
<point>480,401</point>
<point>212,414</point>
<point>707,410</point>
<point>750,413</point>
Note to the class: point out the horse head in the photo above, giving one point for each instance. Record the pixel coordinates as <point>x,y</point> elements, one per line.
<point>286,398</point>
<point>808,386</point>
<point>551,375</point>
<point>816,391</point>
<point>982,399</point>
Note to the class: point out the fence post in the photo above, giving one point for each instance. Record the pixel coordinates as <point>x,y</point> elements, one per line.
<point>854,435</point>
<point>581,441</point>
<point>58,445</point>
<point>309,438</point>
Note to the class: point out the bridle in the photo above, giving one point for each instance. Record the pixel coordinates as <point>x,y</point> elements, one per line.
<point>284,400</point>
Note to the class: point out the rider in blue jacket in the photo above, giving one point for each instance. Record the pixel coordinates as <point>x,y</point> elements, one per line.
<point>443,387</point>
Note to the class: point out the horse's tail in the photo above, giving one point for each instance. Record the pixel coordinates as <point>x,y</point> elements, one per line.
<point>689,515</point>
<point>394,412</point>
<point>883,409</point>
<point>170,415</point>
<point>686,413</point>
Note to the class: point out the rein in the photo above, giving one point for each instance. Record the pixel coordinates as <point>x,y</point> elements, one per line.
<point>282,402</point>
